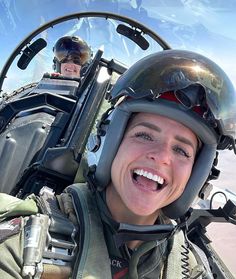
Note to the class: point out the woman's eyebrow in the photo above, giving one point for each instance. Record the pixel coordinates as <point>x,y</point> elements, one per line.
<point>148,125</point>
<point>185,141</point>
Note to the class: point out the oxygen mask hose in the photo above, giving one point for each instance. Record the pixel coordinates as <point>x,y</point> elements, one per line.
<point>142,250</point>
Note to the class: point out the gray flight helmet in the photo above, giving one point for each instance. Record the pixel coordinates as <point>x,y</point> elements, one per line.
<point>71,48</point>
<point>187,75</point>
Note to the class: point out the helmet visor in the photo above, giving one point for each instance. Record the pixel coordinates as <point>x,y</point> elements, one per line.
<point>68,50</point>
<point>177,72</point>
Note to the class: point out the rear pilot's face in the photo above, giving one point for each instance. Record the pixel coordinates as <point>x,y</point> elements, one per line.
<point>152,166</point>
<point>70,70</point>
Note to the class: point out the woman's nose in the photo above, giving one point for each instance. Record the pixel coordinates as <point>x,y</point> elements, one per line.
<point>160,154</point>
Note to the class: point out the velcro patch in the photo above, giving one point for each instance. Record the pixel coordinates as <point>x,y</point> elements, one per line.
<point>9,228</point>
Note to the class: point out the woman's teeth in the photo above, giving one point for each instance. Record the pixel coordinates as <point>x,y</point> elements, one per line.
<point>149,175</point>
<point>158,179</point>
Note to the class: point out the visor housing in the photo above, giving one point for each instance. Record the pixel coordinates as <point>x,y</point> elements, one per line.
<point>179,70</point>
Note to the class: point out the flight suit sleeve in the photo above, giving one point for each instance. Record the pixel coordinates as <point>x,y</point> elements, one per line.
<point>11,248</point>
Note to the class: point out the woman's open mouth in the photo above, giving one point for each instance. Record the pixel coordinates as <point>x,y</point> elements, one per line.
<point>148,180</point>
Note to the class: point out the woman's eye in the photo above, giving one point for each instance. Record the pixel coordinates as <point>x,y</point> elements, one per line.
<point>144,136</point>
<point>181,151</point>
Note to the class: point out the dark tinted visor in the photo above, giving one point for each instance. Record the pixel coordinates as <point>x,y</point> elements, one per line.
<point>72,59</point>
<point>176,71</point>
<point>67,49</point>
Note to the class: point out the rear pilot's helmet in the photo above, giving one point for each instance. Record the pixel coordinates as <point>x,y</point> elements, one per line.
<point>71,49</point>
<point>184,86</point>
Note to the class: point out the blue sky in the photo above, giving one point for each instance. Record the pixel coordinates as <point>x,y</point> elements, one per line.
<point>207,27</point>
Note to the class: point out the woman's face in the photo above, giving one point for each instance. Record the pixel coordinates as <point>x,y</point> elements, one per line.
<point>152,166</point>
<point>70,70</point>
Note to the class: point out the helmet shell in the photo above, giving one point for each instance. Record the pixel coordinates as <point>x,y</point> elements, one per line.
<point>71,48</point>
<point>173,70</point>
<point>152,76</point>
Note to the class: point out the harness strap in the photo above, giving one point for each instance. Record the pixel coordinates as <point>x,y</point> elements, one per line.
<point>49,240</point>
<point>93,258</point>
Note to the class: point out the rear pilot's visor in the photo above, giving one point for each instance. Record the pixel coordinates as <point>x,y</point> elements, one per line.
<point>72,50</point>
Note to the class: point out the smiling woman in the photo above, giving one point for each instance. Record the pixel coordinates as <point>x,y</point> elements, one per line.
<point>155,150</point>
<point>155,154</point>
